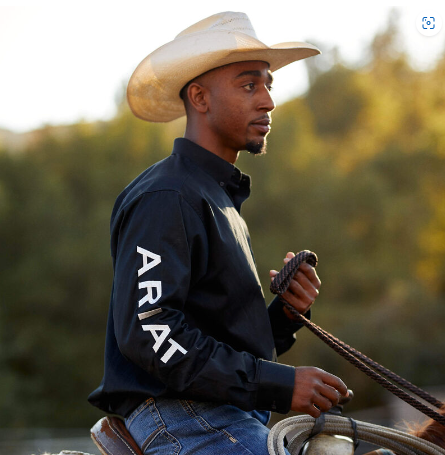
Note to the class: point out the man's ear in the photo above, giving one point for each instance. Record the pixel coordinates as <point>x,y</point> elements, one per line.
<point>197,97</point>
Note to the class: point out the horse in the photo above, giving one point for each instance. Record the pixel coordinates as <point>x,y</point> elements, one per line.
<point>430,430</point>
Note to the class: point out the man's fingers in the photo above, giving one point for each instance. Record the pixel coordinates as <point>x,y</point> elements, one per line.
<point>332,395</point>
<point>307,270</point>
<point>323,403</point>
<point>289,256</point>
<point>305,273</point>
<point>336,383</point>
<point>316,390</point>
<point>306,282</point>
<point>310,273</point>
<point>301,304</point>
<point>313,411</point>
<point>303,288</point>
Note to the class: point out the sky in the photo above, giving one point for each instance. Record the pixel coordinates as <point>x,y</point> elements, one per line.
<point>63,62</point>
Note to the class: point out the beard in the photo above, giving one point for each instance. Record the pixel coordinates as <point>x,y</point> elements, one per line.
<point>257,148</point>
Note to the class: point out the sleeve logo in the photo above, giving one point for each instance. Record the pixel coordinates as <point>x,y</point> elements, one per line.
<point>154,293</point>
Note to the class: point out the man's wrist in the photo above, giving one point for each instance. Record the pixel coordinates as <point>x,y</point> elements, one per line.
<point>288,313</point>
<point>279,317</point>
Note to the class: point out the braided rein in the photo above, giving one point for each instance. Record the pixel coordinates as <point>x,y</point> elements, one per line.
<point>374,370</point>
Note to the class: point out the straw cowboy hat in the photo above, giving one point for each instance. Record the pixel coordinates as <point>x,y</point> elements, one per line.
<point>153,89</point>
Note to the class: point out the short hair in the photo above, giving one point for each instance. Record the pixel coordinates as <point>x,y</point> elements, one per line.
<point>183,91</point>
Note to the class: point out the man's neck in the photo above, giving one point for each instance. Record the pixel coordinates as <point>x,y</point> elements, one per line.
<point>205,141</point>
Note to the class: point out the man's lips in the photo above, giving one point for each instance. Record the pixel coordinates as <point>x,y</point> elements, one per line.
<point>262,125</point>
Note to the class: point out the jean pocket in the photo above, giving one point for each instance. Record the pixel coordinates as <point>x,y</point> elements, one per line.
<point>161,441</point>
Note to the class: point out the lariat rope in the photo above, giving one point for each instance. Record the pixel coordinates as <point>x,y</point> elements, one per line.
<point>279,286</point>
<point>297,430</point>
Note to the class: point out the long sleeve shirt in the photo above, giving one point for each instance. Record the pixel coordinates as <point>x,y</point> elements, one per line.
<point>187,316</point>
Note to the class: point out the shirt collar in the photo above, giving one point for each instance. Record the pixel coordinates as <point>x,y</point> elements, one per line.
<point>226,174</point>
<point>221,170</point>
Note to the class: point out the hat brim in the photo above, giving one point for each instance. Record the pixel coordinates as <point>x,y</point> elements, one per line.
<point>153,89</point>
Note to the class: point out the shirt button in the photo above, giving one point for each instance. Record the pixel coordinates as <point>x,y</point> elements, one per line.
<point>221,183</point>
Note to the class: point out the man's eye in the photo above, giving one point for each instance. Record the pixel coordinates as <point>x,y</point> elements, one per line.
<point>270,88</point>
<point>249,86</point>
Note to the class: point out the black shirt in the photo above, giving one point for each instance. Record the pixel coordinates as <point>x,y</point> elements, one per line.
<point>187,315</point>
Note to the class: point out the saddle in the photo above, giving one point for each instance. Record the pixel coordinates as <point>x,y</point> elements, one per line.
<point>112,437</point>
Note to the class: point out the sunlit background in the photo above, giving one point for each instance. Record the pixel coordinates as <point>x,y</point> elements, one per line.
<point>65,61</point>
<point>355,171</point>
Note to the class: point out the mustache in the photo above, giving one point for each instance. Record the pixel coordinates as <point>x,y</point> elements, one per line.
<point>264,119</point>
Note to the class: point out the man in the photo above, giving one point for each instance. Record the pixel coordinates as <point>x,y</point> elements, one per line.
<point>191,347</point>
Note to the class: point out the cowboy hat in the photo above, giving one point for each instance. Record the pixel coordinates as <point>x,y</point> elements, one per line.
<point>221,39</point>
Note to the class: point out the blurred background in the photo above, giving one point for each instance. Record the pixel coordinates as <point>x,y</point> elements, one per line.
<point>355,171</point>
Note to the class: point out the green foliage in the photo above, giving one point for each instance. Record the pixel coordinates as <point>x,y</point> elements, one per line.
<point>336,100</point>
<point>354,171</point>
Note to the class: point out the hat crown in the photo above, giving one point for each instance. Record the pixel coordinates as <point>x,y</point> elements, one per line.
<point>230,21</point>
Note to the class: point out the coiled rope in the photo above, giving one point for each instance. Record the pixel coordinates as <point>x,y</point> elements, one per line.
<point>279,286</point>
<point>301,428</point>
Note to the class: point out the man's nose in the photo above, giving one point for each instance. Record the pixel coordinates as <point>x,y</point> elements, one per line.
<point>267,102</point>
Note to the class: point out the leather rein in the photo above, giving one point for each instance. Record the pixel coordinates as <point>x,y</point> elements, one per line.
<point>374,370</point>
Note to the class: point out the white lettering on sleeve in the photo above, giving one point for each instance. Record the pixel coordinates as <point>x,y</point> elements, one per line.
<point>159,332</point>
<point>150,285</point>
<point>155,260</point>
<point>173,348</point>
<point>159,339</point>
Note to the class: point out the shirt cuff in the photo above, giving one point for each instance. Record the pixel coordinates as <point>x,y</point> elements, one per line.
<point>276,387</point>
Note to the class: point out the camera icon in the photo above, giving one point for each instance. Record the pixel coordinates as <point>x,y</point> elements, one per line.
<point>429,23</point>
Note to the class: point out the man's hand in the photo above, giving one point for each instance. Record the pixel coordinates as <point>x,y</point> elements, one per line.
<point>303,289</point>
<point>316,390</point>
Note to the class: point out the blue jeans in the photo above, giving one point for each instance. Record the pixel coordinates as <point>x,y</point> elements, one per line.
<point>172,427</point>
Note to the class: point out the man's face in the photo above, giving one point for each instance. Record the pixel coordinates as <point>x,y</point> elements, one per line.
<point>240,105</point>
